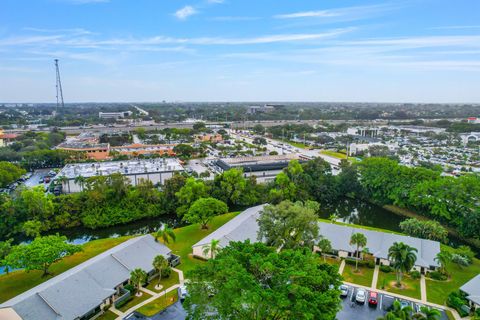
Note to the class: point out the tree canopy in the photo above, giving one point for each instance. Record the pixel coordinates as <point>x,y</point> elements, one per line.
<point>253,281</point>
<point>203,210</point>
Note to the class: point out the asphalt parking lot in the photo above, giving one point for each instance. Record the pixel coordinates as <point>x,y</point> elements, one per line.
<point>353,310</point>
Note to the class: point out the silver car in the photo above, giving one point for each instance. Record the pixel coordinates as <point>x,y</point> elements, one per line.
<point>343,291</point>
<point>361,296</point>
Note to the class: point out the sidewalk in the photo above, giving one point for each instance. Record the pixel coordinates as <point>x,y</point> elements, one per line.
<point>375,277</point>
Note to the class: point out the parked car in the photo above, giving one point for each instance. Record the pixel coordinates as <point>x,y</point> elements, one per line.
<point>373,300</point>
<point>361,296</point>
<point>182,292</point>
<point>343,291</point>
<point>46,179</point>
<point>404,304</point>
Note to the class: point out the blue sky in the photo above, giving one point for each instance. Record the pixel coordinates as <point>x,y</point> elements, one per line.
<point>241,50</point>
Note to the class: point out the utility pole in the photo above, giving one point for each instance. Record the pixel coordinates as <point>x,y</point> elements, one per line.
<point>59,86</point>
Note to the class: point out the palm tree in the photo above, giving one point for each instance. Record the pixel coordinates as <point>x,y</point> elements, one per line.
<point>443,257</point>
<point>398,313</point>
<point>403,259</point>
<point>427,314</point>
<point>63,180</point>
<point>160,264</point>
<point>211,248</point>
<point>80,180</point>
<point>360,241</point>
<point>325,246</point>
<point>137,278</point>
<point>166,234</point>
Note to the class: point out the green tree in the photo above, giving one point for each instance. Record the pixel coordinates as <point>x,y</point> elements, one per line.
<point>189,193</point>
<point>288,225</point>
<point>398,312</point>
<point>80,180</point>
<point>211,249</point>
<point>427,313</point>
<point>424,229</point>
<point>203,210</point>
<point>283,189</point>
<point>443,258</point>
<point>9,173</point>
<point>231,187</point>
<point>5,249</point>
<point>359,240</point>
<point>166,234</point>
<point>253,281</point>
<point>258,129</point>
<point>32,228</point>
<point>184,150</point>
<point>403,259</point>
<point>325,246</point>
<point>138,278</point>
<point>160,264</point>
<point>41,253</point>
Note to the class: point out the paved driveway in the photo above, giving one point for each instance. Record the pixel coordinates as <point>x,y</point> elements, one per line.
<point>354,310</point>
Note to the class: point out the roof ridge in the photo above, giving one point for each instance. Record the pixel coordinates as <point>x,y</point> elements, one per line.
<point>48,303</point>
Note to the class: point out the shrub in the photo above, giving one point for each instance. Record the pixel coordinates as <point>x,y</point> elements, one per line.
<point>166,272</point>
<point>123,302</point>
<point>130,288</point>
<point>386,269</point>
<point>457,301</point>
<point>371,264</point>
<point>436,275</point>
<point>415,274</point>
<point>460,260</point>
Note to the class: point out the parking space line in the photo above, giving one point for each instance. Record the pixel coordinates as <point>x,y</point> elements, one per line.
<point>381,301</point>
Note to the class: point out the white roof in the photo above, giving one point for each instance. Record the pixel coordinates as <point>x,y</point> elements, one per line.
<point>472,288</point>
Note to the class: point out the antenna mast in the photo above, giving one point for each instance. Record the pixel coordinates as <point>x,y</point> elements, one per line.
<point>59,86</point>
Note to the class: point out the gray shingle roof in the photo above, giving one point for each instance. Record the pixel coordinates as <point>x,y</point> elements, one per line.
<point>242,227</point>
<point>472,288</point>
<point>81,289</point>
<point>379,242</point>
<point>245,226</point>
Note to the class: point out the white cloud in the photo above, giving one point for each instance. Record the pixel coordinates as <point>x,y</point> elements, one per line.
<point>308,14</point>
<point>185,12</point>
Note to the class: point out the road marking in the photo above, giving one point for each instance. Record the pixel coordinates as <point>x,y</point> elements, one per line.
<point>381,301</point>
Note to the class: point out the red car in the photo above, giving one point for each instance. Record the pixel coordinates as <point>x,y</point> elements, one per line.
<point>373,299</point>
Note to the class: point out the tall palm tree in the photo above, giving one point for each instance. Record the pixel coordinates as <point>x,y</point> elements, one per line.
<point>325,246</point>
<point>63,180</point>
<point>211,248</point>
<point>427,314</point>
<point>166,234</point>
<point>403,259</point>
<point>160,264</point>
<point>137,278</point>
<point>80,180</point>
<point>359,240</point>
<point>443,257</point>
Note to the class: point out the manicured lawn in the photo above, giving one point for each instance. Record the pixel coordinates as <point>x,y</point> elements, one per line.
<point>189,235</point>
<point>437,291</point>
<point>386,281</point>
<point>363,277</point>
<point>108,315</point>
<point>166,282</point>
<point>334,154</point>
<point>159,304</point>
<point>298,145</point>
<point>20,281</point>
<point>133,302</point>
<point>359,226</point>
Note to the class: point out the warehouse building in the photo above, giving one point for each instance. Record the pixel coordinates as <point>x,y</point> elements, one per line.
<point>154,170</point>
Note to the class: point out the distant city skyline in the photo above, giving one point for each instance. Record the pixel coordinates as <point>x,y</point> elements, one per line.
<point>241,50</point>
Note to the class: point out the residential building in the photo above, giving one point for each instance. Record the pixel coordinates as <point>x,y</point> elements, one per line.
<point>85,290</point>
<point>473,120</point>
<point>155,170</point>
<point>6,138</point>
<point>114,115</point>
<point>470,137</point>
<point>94,151</point>
<point>245,227</point>
<point>472,289</point>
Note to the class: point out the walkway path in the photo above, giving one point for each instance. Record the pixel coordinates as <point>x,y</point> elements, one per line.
<point>342,266</point>
<point>154,295</point>
<point>375,277</point>
<point>423,288</point>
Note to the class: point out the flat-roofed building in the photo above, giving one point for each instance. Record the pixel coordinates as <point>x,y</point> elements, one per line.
<point>265,168</point>
<point>95,151</point>
<point>146,149</point>
<point>114,115</point>
<point>83,291</point>
<point>155,170</point>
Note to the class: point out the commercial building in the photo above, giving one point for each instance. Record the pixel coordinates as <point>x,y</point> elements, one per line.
<point>146,149</point>
<point>472,290</point>
<point>473,120</point>
<point>83,291</point>
<point>95,151</point>
<point>114,115</point>
<point>263,167</point>
<point>245,227</point>
<point>470,137</point>
<point>260,109</point>
<point>207,137</point>
<point>155,170</point>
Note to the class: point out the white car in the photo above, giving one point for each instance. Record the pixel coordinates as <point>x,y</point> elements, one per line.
<point>182,292</point>
<point>361,296</point>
